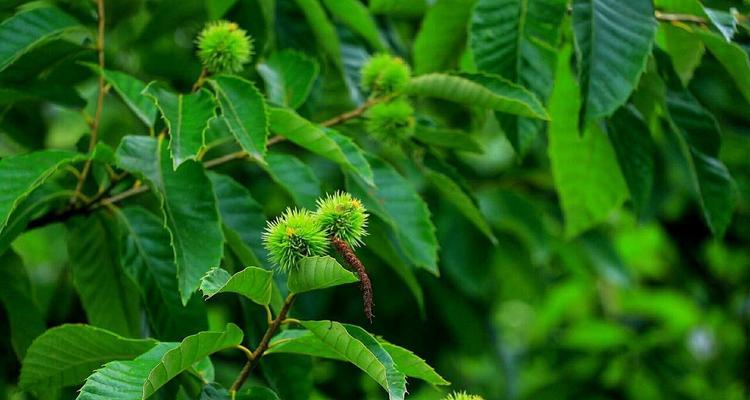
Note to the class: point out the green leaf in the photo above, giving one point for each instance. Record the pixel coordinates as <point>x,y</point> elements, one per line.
<point>295,177</point>
<point>412,365</point>
<point>734,59</point>
<point>357,162</point>
<point>357,346</point>
<point>108,296</point>
<point>518,40</point>
<point>142,377</point>
<point>315,273</point>
<point>725,22</point>
<point>187,117</point>
<point>242,217</point>
<point>289,77</point>
<point>304,133</point>
<point>613,41</point>
<point>252,282</point>
<point>585,169</point>
<point>244,110</point>
<point>634,147</point>
<point>467,206</point>
<point>395,201</point>
<point>41,199</point>
<point>188,204</point>
<point>699,140</point>
<point>148,259</point>
<point>448,138</point>
<point>355,16</point>
<point>26,30</point>
<point>67,354</point>
<point>20,175</point>
<point>478,90</point>
<point>131,91</point>
<point>442,35</point>
<point>398,8</point>
<point>322,28</point>
<point>685,51</point>
<point>25,320</point>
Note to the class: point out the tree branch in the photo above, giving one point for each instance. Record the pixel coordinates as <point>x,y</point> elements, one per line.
<point>255,357</point>
<point>668,17</point>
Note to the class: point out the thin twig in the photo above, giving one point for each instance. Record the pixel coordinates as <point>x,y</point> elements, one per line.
<point>339,119</point>
<point>255,357</point>
<point>669,17</point>
<point>201,80</point>
<point>100,97</point>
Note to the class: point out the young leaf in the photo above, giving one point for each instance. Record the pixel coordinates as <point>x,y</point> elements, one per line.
<point>442,35</point>
<point>242,217</point>
<point>454,194</point>
<point>147,258</point>
<point>412,365</point>
<point>25,320</point>
<point>289,77</point>
<point>306,134</point>
<point>322,28</point>
<point>188,205</point>
<point>187,117</point>
<point>26,30</point>
<point>244,110</point>
<point>142,377</point>
<point>252,282</point>
<point>20,175</point>
<point>585,169</point>
<point>131,91</point>
<point>478,90</point>
<point>395,201</point>
<point>354,15</point>
<point>67,354</point>
<point>611,60</point>
<point>685,51</point>
<point>357,346</point>
<point>314,273</point>
<point>518,40</point>
<point>108,296</point>
<point>295,177</point>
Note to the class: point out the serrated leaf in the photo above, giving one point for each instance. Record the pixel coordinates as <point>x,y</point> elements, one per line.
<point>322,28</point>
<point>398,8</point>
<point>142,377</point>
<point>585,169</point>
<point>315,273</point>
<point>355,16</point>
<point>41,199</point>
<point>304,133</point>
<point>634,147</point>
<point>67,354</point>
<point>108,296</point>
<point>479,90</point>
<point>244,110</point>
<point>187,117</point>
<point>24,318</point>
<point>20,175</point>
<point>26,30</point>
<point>395,201</point>
<point>448,138</point>
<point>131,91</point>
<point>355,156</point>
<point>699,139</point>
<point>357,346</point>
<point>734,59</point>
<point>242,217</point>
<point>252,282</point>
<point>188,204</point>
<point>518,40</point>
<point>442,35</point>
<point>453,193</point>
<point>412,365</point>
<point>613,41</point>
<point>289,77</point>
<point>147,258</point>
<point>295,177</point>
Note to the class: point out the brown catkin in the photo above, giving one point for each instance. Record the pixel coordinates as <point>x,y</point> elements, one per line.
<point>348,255</point>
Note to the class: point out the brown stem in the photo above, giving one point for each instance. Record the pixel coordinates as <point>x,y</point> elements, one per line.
<point>201,80</point>
<point>668,17</point>
<point>255,357</point>
<point>99,99</point>
<point>351,258</point>
<point>353,113</point>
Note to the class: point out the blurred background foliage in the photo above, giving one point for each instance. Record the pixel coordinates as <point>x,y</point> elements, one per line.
<point>641,306</point>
